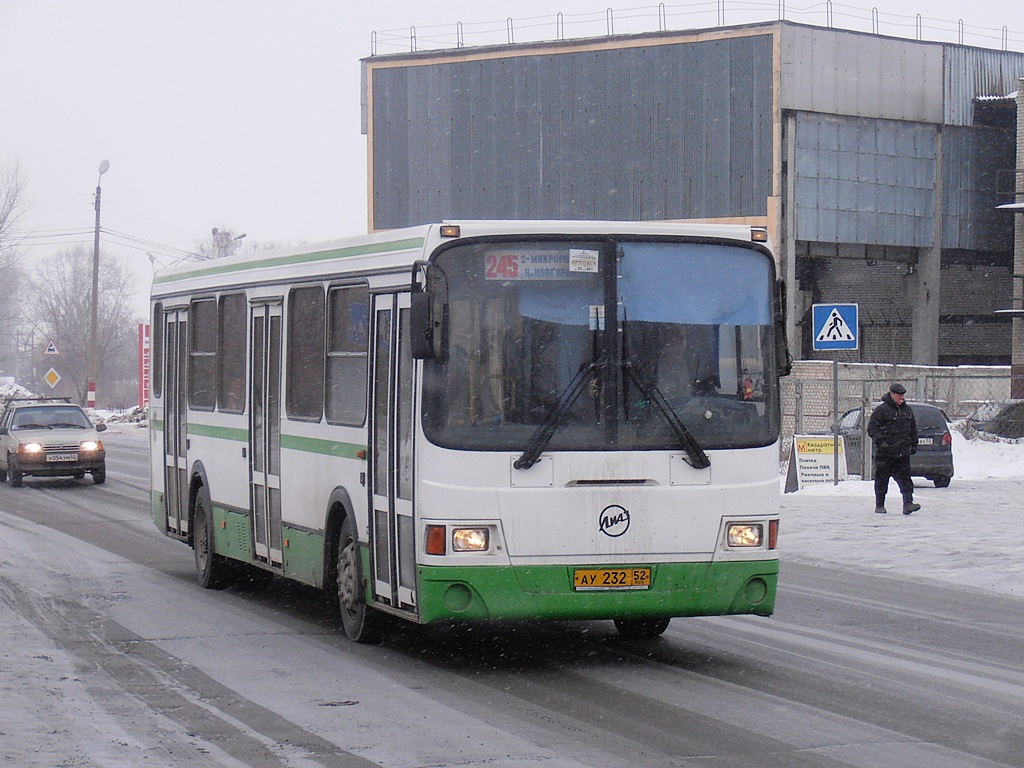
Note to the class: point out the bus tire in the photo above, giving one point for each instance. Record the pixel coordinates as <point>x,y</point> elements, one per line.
<point>641,629</point>
<point>360,622</point>
<point>213,571</point>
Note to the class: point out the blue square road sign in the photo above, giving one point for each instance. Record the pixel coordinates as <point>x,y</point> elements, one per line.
<point>835,326</point>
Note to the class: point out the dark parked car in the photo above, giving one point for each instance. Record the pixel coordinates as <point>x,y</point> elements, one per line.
<point>934,457</point>
<point>1005,419</point>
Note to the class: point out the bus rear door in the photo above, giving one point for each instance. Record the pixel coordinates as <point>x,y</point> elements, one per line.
<point>265,432</point>
<point>175,368</point>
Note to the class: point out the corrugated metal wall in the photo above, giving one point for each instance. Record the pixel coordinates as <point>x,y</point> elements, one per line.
<point>671,131</point>
<point>864,181</point>
<point>851,73</point>
<point>872,182</point>
<point>973,159</point>
<point>972,72</point>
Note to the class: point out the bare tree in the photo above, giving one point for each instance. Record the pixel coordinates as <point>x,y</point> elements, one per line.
<point>12,205</point>
<point>63,307</point>
<point>222,243</point>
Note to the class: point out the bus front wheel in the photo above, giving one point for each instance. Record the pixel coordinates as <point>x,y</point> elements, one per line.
<point>212,570</point>
<point>639,629</point>
<point>360,622</point>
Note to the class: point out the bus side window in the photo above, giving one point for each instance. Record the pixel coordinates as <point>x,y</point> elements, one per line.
<point>202,354</point>
<point>305,373</point>
<point>231,353</point>
<point>347,354</point>
<point>156,351</point>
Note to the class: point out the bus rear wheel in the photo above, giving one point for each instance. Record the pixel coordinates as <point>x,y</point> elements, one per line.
<point>360,622</point>
<point>639,629</point>
<point>212,570</point>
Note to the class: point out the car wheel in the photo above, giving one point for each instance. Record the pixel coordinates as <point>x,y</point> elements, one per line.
<point>641,629</point>
<point>360,622</point>
<point>99,476</point>
<point>213,571</point>
<point>942,482</point>
<point>13,474</point>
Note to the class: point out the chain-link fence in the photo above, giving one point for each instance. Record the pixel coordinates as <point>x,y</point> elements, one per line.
<point>808,402</point>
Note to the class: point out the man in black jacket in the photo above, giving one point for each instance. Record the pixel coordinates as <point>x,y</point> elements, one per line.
<point>894,432</point>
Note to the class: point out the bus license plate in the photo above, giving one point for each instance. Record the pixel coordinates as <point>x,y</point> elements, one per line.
<point>594,579</point>
<point>62,457</point>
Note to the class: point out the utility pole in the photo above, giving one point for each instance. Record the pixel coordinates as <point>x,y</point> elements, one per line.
<point>90,397</point>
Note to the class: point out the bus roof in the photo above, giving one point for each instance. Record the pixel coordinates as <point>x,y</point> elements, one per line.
<point>394,251</point>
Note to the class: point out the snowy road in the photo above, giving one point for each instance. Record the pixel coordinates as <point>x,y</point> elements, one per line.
<point>110,655</point>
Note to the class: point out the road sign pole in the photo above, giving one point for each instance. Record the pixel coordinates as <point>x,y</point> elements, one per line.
<point>835,420</point>
<point>836,327</point>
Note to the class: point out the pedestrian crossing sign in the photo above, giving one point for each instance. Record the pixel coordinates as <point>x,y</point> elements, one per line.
<point>835,326</point>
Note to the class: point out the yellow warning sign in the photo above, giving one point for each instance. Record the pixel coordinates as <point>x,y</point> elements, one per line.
<point>823,445</point>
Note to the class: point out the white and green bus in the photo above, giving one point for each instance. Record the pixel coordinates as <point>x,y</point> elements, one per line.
<point>480,420</point>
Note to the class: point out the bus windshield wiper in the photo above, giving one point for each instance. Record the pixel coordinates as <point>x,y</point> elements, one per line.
<point>543,434</point>
<point>695,455</point>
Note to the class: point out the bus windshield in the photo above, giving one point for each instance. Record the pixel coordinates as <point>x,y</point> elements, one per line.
<point>607,341</point>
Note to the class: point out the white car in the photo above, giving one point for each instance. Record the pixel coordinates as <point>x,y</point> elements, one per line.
<point>46,437</point>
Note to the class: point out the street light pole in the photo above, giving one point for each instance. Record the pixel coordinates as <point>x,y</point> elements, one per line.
<point>90,397</point>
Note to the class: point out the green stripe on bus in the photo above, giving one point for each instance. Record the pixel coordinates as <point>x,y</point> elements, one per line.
<point>223,433</point>
<point>297,258</point>
<point>327,447</point>
<point>157,424</point>
<point>474,593</point>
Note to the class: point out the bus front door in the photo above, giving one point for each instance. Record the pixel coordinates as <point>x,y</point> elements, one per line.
<point>265,432</point>
<point>392,532</point>
<point>176,420</point>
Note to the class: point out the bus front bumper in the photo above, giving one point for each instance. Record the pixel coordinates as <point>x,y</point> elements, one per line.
<point>544,592</point>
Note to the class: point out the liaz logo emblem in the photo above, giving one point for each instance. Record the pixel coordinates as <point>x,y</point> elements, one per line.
<point>614,520</point>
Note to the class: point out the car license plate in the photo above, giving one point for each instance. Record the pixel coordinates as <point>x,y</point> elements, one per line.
<point>595,579</point>
<point>62,457</point>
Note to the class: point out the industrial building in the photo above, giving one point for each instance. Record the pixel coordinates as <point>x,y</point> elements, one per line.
<point>877,163</point>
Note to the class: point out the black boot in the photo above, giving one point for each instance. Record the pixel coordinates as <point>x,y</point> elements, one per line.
<point>880,506</point>
<point>910,506</point>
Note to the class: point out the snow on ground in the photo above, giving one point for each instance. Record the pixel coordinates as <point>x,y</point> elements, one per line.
<point>967,534</point>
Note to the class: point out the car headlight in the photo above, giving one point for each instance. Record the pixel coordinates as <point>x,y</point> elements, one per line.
<point>30,448</point>
<point>88,446</point>
<point>470,540</point>
<point>744,534</point>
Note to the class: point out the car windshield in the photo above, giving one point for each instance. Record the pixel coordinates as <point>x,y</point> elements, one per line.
<point>601,344</point>
<point>51,417</point>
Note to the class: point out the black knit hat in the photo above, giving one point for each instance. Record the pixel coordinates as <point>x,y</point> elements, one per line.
<point>898,388</point>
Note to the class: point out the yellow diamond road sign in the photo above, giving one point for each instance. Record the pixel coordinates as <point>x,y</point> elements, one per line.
<point>51,377</point>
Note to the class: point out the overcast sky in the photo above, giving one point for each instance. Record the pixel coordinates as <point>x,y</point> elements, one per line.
<point>245,114</point>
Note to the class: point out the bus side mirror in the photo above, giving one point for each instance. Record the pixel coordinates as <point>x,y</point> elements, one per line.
<point>783,360</point>
<point>428,312</point>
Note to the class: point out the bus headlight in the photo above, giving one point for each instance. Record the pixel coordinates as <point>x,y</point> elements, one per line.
<point>744,534</point>
<point>30,448</point>
<point>470,540</point>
